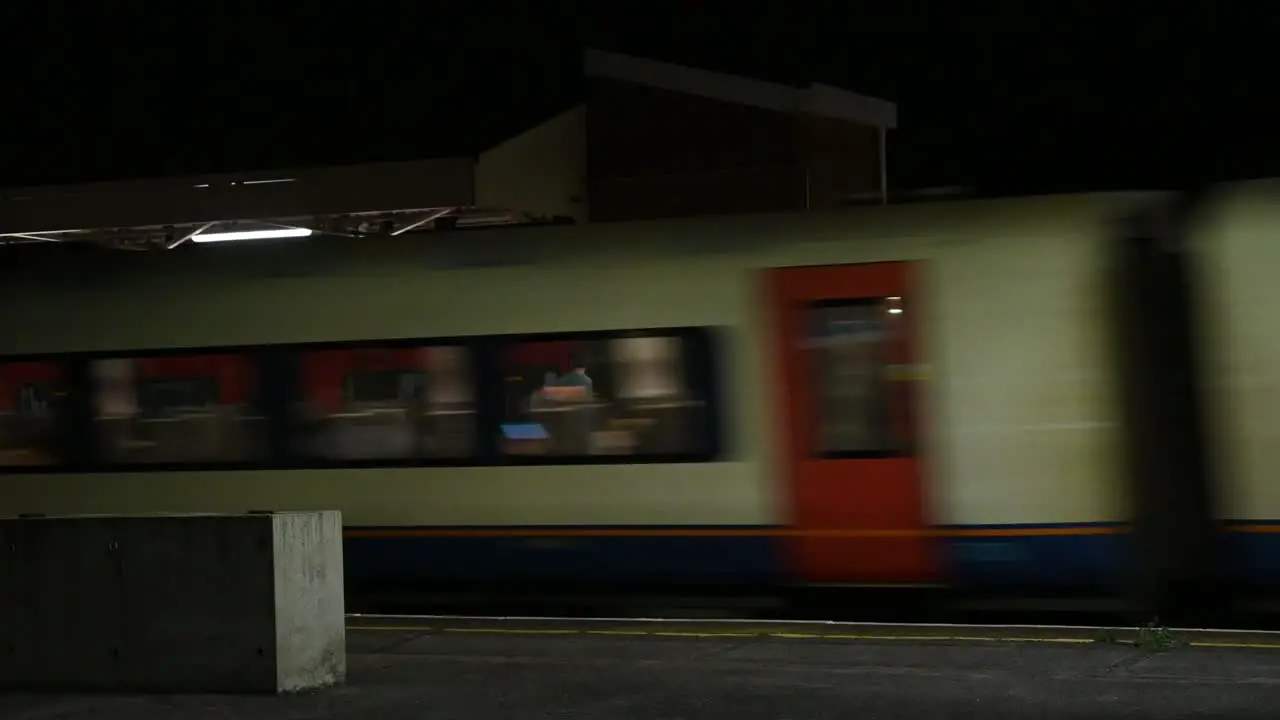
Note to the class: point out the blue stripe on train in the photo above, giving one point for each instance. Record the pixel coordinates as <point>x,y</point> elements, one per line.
<point>1034,560</point>
<point>627,559</point>
<point>1254,557</point>
<point>1250,557</point>
<point>1037,560</point>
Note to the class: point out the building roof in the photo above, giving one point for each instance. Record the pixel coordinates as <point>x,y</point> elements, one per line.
<point>815,99</point>
<point>454,120</point>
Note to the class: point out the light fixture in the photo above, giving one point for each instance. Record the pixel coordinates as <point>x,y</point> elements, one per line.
<point>205,237</point>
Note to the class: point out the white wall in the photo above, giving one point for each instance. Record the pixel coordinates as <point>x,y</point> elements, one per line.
<point>1238,246</point>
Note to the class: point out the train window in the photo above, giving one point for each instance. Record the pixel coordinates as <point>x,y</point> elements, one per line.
<point>857,350</point>
<point>384,386</point>
<point>385,403</point>
<point>633,395</point>
<point>35,401</point>
<point>172,398</point>
<point>32,414</point>
<point>178,409</point>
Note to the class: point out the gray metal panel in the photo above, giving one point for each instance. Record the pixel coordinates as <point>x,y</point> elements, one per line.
<point>66,605</point>
<point>207,583</point>
<point>186,603</point>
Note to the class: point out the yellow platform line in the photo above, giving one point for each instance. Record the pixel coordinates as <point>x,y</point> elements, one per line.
<point>868,637</point>
<point>511,631</point>
<point>1237,646</point>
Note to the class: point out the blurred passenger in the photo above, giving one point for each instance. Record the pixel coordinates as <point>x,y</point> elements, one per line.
<point>575,385</point>
<point>577,377</point>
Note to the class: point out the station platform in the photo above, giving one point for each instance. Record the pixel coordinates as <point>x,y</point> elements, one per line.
<point>475,668</point>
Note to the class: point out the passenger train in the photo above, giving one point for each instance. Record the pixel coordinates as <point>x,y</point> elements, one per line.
<point>926,394</point>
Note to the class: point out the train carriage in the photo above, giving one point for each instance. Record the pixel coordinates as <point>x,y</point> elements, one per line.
<point>1234,244</point>
<point>908,394</point>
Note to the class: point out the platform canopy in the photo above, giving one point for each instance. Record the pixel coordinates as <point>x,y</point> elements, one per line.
<point>382,198</point>
<point>522,170</point>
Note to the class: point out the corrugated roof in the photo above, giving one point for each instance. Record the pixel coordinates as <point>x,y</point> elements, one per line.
<point>814,98</point>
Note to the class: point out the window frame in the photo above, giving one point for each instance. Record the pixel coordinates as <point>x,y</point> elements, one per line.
<point>277,363</point>
<point>701,373</point>
<point>290,357</point>
<point>903,448</point>
<point>91,453</point>
<point>70,458</point>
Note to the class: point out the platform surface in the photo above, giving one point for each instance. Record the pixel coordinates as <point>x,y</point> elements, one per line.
<point>477,669</point>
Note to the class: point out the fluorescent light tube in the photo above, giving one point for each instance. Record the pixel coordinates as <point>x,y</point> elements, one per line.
<point>251,235</point>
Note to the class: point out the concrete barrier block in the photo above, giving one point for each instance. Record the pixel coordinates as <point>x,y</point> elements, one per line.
<point>247,603</point>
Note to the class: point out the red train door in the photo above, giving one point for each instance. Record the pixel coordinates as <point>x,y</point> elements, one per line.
<point>846,338</point>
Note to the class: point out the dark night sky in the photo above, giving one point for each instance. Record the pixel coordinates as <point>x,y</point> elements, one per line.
<point>1004,103</point>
